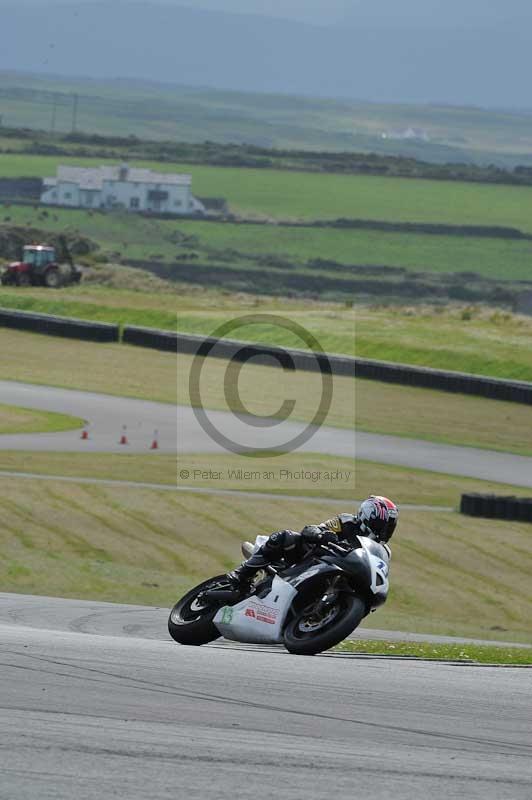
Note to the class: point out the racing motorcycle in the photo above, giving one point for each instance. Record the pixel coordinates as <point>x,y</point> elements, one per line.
<point>308,607</point>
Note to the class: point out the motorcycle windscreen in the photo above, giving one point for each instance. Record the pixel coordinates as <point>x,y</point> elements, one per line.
<point>257,620</point>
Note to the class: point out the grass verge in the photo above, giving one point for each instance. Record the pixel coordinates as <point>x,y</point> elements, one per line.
<point>406,486</point>
<point>468,653</point>
<point>24,420</point>
<point>126,544</point>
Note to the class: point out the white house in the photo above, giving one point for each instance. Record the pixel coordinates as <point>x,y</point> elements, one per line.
<point>418,134</point>
<point>121,187</point>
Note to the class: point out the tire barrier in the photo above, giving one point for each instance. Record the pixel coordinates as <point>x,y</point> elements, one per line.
<point>458,382</point>
<point>388,372</point>
<point>59,326</point>
<point>232,349</point>
<point>492,506</point>
<point>422,377</point>
<point>150,337</point>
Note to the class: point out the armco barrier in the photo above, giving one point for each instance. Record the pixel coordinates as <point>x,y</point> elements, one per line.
<point>59,326</point>
<point>492,506</point>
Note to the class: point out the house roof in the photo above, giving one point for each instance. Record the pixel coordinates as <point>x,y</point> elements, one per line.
<point>93,178</point>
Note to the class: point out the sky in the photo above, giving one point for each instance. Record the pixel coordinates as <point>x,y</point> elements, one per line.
<point>401,13</point>
<point>317,12</point>
<point>456,52</point>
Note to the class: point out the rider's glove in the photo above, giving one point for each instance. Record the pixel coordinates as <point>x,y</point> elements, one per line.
<point>313,534</point>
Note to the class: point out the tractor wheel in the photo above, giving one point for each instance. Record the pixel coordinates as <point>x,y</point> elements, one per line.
<point>52,279</point>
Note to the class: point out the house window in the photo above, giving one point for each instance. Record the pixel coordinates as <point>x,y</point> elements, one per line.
<point>134,202</point>
<point>157,196</point>
<point>68,195</point>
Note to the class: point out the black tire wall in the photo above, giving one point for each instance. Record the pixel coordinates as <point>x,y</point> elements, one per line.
<point>59,326</point>
<point>492,506</point>
<point>402,374</point>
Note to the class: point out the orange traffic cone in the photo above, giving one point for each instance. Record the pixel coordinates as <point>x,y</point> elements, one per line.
<point>84,434</point>
<point>155,443</point>
<point>123,438</point>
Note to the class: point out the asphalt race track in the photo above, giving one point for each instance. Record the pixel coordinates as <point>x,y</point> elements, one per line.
<point>178,430</point>
<point>92,708</point>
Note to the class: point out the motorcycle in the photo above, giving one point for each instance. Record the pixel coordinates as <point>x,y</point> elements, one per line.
<point>309,607</point>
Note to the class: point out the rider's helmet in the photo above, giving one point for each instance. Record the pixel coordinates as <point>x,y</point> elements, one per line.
<point>378,518</point>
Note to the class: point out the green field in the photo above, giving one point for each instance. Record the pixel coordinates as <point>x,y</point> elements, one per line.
<point>277,194</point>
<point>122,237</point>
<point>286,260</point>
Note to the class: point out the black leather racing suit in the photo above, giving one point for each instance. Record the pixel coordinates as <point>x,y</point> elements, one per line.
<point>291,547</point>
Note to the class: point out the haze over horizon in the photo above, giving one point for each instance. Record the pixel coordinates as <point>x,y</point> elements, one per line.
<point>420,51</point>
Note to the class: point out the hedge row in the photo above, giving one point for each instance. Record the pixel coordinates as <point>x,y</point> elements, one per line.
<point>59,326</point>
<point>494,506</point>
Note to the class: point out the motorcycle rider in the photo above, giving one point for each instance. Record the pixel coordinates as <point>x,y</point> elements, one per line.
<point>376,519</point>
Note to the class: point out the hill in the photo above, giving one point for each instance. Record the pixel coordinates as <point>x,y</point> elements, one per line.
<point>376,55</point>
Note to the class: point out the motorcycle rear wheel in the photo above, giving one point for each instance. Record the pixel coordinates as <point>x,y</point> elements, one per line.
<point>305,636</point>
<point>191,621</point>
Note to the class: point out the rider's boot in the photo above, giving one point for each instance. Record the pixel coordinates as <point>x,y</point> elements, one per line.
<point>241,576</point>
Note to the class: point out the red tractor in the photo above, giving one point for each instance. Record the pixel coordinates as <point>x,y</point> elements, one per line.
<point>39,267</point>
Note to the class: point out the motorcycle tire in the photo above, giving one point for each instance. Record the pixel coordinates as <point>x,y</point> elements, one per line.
<point>194,625</point>
<point>306,642</point>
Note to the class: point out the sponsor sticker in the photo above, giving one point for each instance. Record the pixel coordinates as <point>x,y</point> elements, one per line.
<point>262,613</point>
<point>227,615</point>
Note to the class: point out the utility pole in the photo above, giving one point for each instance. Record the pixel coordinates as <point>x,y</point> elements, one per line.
<point>54,109</point>
<point>74,113</point>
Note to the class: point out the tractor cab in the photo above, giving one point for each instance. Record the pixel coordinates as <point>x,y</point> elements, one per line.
<point>38,256</point>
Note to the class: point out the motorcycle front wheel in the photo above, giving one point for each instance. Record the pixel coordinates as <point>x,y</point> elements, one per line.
<point>191,619</point>
<point>312,631</point>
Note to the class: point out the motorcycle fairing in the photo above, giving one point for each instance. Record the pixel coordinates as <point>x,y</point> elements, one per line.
<point>258,620</point>
<point>379,564</point>
<point>309,574</point>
